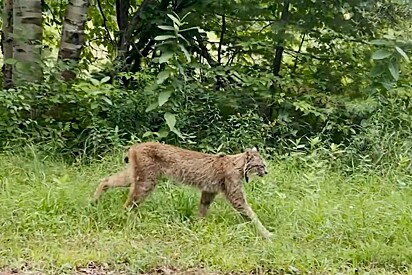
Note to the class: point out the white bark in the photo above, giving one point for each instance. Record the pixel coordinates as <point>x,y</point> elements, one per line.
<point>72,39</point>
<point>27,41</point>
<point>7,42</point>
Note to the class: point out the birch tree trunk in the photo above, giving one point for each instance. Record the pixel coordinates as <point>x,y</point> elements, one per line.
<point>7,43</point>
<point>27,41</point>
<point>72,39</point>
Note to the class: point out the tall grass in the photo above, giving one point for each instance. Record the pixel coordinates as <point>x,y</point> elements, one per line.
<point>324,221</point>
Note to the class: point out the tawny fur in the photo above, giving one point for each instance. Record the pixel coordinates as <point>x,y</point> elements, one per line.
<point>212,174</point>
<point>120,179</point>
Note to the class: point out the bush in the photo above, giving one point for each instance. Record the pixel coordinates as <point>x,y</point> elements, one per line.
<point>79,118</point>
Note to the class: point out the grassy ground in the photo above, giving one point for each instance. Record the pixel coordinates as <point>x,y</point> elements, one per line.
<point>324,222</point>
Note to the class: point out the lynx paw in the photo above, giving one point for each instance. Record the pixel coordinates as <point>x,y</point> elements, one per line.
<point>268,235</point>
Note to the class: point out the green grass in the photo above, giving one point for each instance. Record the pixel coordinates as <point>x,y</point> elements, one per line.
<point>323,221</point>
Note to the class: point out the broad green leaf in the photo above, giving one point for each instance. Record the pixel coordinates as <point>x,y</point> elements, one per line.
<point>177,132</point>
<point>166,28</point>
<point>107,100</point>
<point>188,29</point>
<point>152,106</point>
<point>94,81</point>
<point>147,134</point>
<point>381,54</point>
<point>376,71</point>
<point>164,37</point>
<point>151,88</point>
<point>165,57</point>
<point>174,19</point>
<point>163,133</point>
<point>105,79</point>
<point>401,52</point>
<point>170,120</point>
<point>162,76</point>
<point>388,86</point>
<point>394,69</point>
<point>164,97</point>
<point>236,77</point>
<point>185,52</point>
<point>379,42</point>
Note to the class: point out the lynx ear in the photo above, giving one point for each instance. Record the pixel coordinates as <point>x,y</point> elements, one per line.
<point>253,150</point>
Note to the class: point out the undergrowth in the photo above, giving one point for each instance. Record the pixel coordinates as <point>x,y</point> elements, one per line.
<point>324,219</point>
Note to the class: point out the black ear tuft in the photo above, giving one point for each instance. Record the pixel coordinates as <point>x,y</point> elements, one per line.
<point>248,154</point>
<point>126,159</point>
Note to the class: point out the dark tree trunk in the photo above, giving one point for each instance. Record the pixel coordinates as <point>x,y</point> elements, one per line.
<point>122,15</point>
<point>222,35</point>
<point>7,43</point>
<point>126,36</point>
<point>277,61</point>
<point>136,36</point>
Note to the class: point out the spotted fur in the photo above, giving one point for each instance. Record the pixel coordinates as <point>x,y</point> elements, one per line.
<point>211,174</point>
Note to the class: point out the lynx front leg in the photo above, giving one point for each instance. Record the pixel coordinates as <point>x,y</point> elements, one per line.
<point>120,179</point>
<point>129,200</point>
<point>237,198</point>
<point>139,190</point>
<point>205,201</point>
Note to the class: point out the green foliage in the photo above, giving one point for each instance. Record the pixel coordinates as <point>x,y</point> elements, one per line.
<point>86,117</point>
<point>201,74</point>
<point>385,139</point>
<point>172,79</point>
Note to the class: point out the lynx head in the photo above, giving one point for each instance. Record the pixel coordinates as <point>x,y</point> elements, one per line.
<point>254,164</point>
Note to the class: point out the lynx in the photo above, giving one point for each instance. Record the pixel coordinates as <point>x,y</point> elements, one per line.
<point>211,174</point>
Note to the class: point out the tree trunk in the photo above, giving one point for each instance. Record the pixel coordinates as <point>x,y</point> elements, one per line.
<point>27,41</point>
<point>281,34</point>
<point>277,61</point>
<point>72,39</point>
<point>7,43</point>
<point>126,35</point>
<point>122,16</point>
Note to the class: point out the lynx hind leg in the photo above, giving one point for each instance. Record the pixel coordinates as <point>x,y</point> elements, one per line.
<point>237,199</point>
<point>120,179</point>
<point>205,200</point>
<point>139,190</point>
